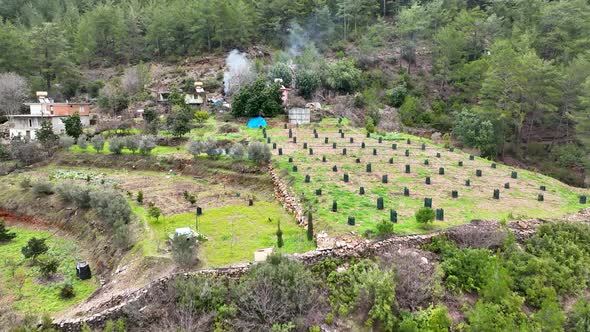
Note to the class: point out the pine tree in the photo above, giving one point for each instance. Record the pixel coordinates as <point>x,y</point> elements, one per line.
<point>5,235</point>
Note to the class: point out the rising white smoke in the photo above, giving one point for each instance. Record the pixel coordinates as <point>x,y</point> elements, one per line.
<point>239,72</point>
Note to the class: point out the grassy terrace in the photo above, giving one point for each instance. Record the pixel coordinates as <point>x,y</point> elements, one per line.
<point>235,230</point>
<point>36,295</point>
<point>473,202</point>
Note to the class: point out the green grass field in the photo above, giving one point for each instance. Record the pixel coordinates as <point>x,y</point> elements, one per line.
<point>234,232</point>
<point>37,297</point>
<point>474,201</point>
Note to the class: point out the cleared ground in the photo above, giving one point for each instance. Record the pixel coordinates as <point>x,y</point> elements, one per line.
<point>474,202</point>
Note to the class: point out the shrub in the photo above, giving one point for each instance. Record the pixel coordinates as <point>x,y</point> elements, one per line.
<point>227,128</point>
<point>259,153</point>
<point>34,248</point>
<point>5,235</point>
<point>73,193</point>
<point>425,215</point>
<point>179,121</point>
<point>132,143</point>
<point>384,228</point>
<point>258,99</point>
<point>237,151</point>
<point>66,141</point>
<point>274,292</point>
<point>195,148</point>
<point>154,211</point>
<point>140,197</point>
<point>308,82</point>
<point>409,111</point>
<point>369,124</point>
<point>25,183</point>
<point>366,289</point>
<point>43,188</point>
<point>281,70</point>
<point>397,95</point>
<point>83,142</point>
<point>110,206</point>
<point>343,76</point>
<point>116,145</point>
<point>200,293</point>
<point>47,265</point>
<point>201,116</point>
<point>121,234</point>
<point>98,143</point>
<point>67,291</point>
<point>579,316</point>
<point>147,144</point>
<point>183,249</point>
<point>27,153</point>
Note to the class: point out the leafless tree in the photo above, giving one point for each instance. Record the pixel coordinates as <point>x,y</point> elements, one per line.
<point>135,79</point>
<point>14,90</point>
<point>418,280</point>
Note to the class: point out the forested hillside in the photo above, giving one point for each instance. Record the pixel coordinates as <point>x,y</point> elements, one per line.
<point>509,78</point>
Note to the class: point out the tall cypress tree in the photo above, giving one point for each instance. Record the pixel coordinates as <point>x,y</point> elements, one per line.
<point>309,226</point>
<point>279,235</point>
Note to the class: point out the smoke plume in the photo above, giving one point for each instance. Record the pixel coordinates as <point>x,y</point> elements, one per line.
<point>239,72</point>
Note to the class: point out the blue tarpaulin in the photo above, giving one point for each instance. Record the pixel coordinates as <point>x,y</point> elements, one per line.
<point>256,123</point>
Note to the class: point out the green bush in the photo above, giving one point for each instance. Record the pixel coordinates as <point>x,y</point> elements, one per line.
<point>200,293</point>
<point>116,145</point>
<point>47,265</point>
<point>98,143</point>
<point>258,99</point>
<point>425,215</point>
<point>343,76</point>
<point>369,124</point>
<point>110,206</point>
<point>281,70</point>
<point>237,151</point>
<point>201,116</point>
<point>397,95</point>
<point>409,111</point>
<point>308,81</point>
<point>366,288</point>
<point>579,316</point>
<point>5,235</point>
<point>67,291</point>
<point>146,144</point>
<point>132,143</point>
<point>184,249</point>
<point>259,153</point>
<point>384,228</point>
<point>34,248</point>
<point>66,141</point>
<point>71,192</point>
<point>43,188</point>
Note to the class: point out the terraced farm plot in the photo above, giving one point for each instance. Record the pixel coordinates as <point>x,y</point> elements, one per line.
<point>234,228</point>
<point>339,164</point>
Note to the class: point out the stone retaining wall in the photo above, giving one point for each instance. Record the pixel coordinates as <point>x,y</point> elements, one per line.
<point>284,195</point>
